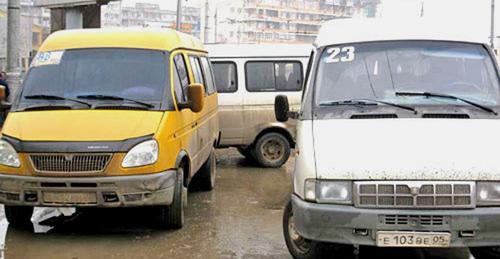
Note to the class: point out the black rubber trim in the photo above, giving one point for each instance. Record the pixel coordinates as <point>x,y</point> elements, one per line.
<point>74,146</point>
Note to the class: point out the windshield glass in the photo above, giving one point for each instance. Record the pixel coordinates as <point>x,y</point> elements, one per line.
<point>128,73</point>
<point>378,70</point>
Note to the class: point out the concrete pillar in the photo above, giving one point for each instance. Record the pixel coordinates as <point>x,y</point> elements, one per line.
<point>57,20</point>
<point>92,16</point>
<point>74,18</point>
<point>13,43</point>
<point>179,16</point>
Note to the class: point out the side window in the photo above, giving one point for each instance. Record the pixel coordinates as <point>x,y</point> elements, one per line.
<point>208,74</point>
<point>288,76</point>
<point>260,76</point>
<point>180,68</point>
<point>226,80</point>
<point>308,72</point>
<point>265,76</point>
<point>195,65</point>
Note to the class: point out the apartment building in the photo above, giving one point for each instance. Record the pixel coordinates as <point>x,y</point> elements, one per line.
<point>149,15</point>
<point>288,21</point>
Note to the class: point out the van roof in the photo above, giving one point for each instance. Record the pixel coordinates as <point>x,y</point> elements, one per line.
<point>354,30</point>
<point>258,50</point>
<point>157,39</point>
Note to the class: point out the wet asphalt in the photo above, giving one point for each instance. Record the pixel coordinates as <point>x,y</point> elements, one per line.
<point>240,218</point>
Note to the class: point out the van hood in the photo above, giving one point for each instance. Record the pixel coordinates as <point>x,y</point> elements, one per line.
<point>81,125</point>
<point>407,149</point>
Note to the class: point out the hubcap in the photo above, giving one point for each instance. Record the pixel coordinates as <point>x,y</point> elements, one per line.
<point>273,150</point>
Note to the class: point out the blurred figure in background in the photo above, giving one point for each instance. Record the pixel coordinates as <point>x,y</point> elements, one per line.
<point>3,81</point>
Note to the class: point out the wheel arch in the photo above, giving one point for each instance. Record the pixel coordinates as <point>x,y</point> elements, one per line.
<point>184,161</point>
<point>276,129</point>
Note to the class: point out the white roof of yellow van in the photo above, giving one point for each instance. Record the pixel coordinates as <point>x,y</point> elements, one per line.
<point>343,31</point>
<point>258,50</point>
<point>144,38</point>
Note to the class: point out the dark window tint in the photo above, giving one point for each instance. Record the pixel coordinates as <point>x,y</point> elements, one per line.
<point>225,77</point>
<point>180,65</point>
<point>273,76</point>
<point>207,71</point>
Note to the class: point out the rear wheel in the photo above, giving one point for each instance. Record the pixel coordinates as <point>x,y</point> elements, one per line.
<point>492,252</point>
<point>19,216</point>
<point>172,216</point>
<point>206,175</point>
<point>302,248</point>
<point>272,150</point>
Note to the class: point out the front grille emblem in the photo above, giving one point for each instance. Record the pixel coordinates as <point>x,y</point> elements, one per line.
<point>68,157</point>
<point>415,191</point>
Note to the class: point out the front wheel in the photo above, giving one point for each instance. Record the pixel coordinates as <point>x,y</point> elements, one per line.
<point>19,216</point>
<point>302,248</point>
<point>272,150</point>
<point>172,216</point>
<point>489,252</point>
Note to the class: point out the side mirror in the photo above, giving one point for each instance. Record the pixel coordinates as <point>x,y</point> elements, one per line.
<point>281,108</point>
<point>196,95</point>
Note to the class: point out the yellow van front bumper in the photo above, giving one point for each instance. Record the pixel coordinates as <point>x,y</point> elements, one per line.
<point>117,191</point>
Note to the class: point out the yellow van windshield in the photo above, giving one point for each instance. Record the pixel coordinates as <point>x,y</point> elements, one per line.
<point>115,77</point>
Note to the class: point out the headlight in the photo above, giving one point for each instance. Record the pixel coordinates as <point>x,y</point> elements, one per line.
<point>8,155</point>
<point>488,193</point>
<point>310,190</point>
<point>339,192</point>
<point>145,153</point>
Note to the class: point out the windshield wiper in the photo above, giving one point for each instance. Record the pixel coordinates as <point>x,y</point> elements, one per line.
<point>113,98</point>
<point>447,96</point>
<point>367,102</point>
<point>54,97</point>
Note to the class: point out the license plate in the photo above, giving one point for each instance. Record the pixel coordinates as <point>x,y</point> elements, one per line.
<point>70,197</point>
<point>412,239</point>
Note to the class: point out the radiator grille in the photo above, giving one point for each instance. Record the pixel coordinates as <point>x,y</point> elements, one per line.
<point>414,220</point>
<point>70,163</point>
<point>386,194</point>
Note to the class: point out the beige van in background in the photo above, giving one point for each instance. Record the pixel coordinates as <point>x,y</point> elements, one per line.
<point>248,78</point>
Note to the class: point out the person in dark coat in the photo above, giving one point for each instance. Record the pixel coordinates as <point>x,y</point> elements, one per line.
<point>3,81</point>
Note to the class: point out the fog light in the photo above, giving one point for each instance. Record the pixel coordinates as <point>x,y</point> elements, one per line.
<point>467,233</point>
<point>360,232</point>
<point>30,197</point>
<point>110,197</point>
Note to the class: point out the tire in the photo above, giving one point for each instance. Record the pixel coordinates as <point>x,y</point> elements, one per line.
<point>272,150</point>
<point>172,216</point>
<point>19,216</point>
<point>489,252</point>
<point>206,175</point>
<point>247,153</point>
<point>301,248</point>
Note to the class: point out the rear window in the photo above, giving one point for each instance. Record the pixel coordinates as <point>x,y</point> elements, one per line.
<point>225,77</point>
<point>267,76</point>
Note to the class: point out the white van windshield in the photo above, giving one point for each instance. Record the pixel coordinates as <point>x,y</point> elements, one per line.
<point>379,70</point>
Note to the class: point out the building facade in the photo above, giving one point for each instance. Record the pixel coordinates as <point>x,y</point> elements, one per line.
<point>150,15</point>
<point>282,21</point>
